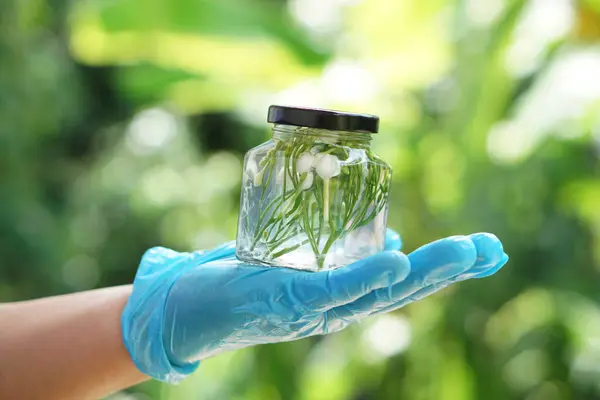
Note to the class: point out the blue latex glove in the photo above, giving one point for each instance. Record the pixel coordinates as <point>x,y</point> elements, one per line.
<point>186,307</point>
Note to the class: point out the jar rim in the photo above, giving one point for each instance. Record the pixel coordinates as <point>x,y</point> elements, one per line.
<point>323,119</point>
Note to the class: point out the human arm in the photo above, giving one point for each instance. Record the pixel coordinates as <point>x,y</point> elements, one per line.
<point>65,347</point>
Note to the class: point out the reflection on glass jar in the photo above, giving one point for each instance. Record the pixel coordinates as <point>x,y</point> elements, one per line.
<point>315,196</point>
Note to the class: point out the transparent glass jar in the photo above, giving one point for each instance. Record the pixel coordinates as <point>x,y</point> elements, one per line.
<point>313,197</point>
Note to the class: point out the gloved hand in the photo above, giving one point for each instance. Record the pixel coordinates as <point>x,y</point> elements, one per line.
<point>186,307</point>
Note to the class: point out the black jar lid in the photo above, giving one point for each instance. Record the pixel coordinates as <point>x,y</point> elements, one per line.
<point>323,119</point>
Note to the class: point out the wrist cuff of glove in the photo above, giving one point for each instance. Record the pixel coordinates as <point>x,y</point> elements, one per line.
<point>143,317</point>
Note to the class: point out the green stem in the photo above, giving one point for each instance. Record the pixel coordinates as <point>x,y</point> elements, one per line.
<point>261,217</point>
<point>330,241</point>
<point>289,249</point>
<point>308,228</point>
<point>326,199</point>
<point>285,237</point>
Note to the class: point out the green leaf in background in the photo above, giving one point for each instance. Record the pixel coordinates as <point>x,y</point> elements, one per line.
<point>240,18</point>
<point>147,82</point>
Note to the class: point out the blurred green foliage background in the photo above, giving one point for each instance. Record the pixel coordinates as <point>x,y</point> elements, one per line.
<point>123,124</point>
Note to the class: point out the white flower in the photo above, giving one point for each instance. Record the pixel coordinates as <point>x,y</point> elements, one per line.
<point>308,181</point>
<point>304,162</point>
<point>328,166</point>
<point>316,159</point>
<point>315,149</point>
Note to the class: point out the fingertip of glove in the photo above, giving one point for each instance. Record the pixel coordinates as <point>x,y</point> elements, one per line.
<point>394,261</point>
<point>462,247</point>
<point>489,251</point>
<point>488,242</point>
<point>491,271</point>
<point>393,240</point>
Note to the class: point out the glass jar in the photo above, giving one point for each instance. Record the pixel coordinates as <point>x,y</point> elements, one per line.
<point>315,196</point>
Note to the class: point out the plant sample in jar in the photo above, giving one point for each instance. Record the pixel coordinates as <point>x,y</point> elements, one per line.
<point>315,196</point>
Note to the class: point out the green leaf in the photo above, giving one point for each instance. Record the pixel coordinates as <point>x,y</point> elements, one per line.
<point>147,82</point>
<point>223,17</point>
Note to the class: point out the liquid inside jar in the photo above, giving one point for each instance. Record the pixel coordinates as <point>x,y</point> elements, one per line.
<point>312,200</point>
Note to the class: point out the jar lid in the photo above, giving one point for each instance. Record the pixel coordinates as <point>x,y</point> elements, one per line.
<point>323,119</point>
